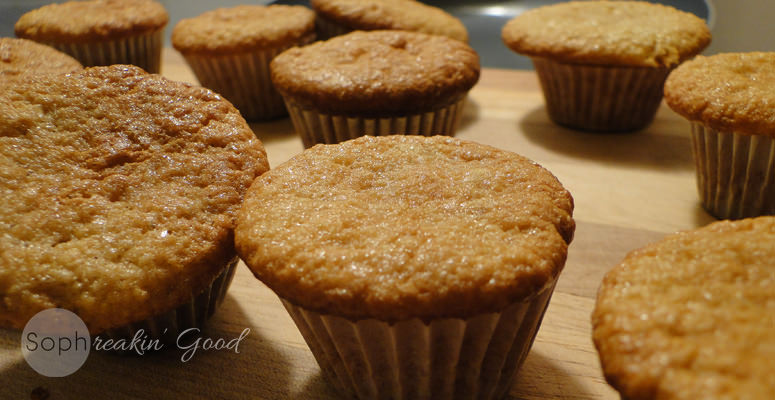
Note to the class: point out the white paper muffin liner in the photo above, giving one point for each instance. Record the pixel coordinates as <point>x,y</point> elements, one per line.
<point>326,29</point>
<point>143,51</point>
<point>735,173</point>
<point>244,79</point>
<point>600,98</point>
<point>315,127</point>
<point>445,358</point>
<point>169,325</point>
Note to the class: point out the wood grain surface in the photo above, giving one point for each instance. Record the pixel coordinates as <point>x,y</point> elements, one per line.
<point>630,190</point>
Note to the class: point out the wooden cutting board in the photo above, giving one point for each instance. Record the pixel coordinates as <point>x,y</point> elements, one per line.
<point>630,190</point>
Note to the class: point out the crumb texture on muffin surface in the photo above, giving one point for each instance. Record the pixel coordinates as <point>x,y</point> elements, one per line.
<point>406,15</point>
<point>243,28</point>
<point>729,92</point>
<point>377,72</point>
<point>92,20</point>
<point>118,193</point>
<point>22,57</point>
<point>692,316</point>
<point>403,227</point>
<point>625,33</point>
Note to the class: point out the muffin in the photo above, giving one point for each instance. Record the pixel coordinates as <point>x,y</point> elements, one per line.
<point>229,50</point>
<point>375,83</point>
<point>415,267</point>
<point>728,99</point>
<point>692,316</point>
<point>337,17</point>
<point>100,32</point>
<point>118,198</point>
<point>604,71</point>
<point>21,57</point>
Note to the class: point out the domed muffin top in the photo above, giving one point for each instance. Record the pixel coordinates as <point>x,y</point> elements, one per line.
<point>118,193</point>
<point>624,33</point>
<point>243,28</point>
<point>406,15</point>
<point>377,73</point>
<point>401,227</point>
<point>727,92</point>
<point>22,57</point>
<point>92,20</point>
<point>693,315</point>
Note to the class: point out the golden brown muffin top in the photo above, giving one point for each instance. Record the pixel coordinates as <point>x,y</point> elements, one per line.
<point>22,57</point>
<point>405,226</point>
<point>625,33</point>
<point>692,316</point>
<point>118,193</point>
<point>243,28</point>
<point>726,92</point>
<point>406,15</point>
<point>91,21</point>
<point>377,72</point>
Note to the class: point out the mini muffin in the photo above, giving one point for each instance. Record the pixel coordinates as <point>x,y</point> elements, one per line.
<point>229,50</point>
<point>729,98</point>
<point>21,57</point>
<point>118,198</point>
<point>602,64</point>
<point>376,83</point>
<point>100,32</point>
<point>337,17</point>
<point>415,267</point>
<point>693,316</point>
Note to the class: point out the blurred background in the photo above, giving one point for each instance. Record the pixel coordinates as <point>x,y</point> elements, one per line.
<point>736,25</point>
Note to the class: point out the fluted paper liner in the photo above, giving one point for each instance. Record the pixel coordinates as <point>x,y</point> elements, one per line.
<point>445,358</point>
<point>600,98</point>
<point>243,79</point>
<point>315,127</point>
<point>327,29</point>
<point>735,173</point>
<point>143,51</point>
<point>194,314</point>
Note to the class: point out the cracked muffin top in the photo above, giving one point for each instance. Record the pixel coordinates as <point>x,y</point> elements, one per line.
<point>406,15</point>
<point>692,316</point>
<point>726,92</point>
<point>625,33</point>
<point>401,227</point>
<point>243,28</point>
<point>93,20</point>
<point>118,193</point>
<point>377,73</point>
<point>22,57</point>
